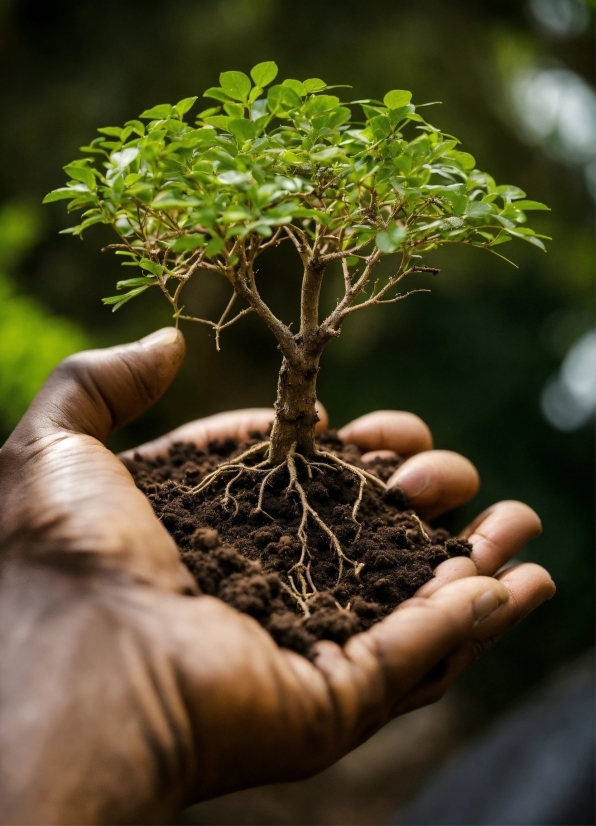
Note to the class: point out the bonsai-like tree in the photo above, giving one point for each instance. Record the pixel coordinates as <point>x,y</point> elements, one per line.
<point>291,165</point>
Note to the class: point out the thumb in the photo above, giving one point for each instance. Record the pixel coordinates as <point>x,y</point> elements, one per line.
<point>97,391</point>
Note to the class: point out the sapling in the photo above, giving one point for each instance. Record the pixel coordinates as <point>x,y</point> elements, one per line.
<point>347,184</point>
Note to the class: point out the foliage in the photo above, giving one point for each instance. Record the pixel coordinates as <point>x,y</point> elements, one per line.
<point>294,163</point>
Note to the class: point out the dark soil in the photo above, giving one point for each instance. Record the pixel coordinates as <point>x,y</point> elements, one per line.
<point>245,559</point>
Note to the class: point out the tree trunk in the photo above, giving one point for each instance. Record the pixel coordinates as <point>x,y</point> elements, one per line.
<point>295,410</point>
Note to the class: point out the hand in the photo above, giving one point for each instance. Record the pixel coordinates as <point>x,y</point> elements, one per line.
<point>123,696</point>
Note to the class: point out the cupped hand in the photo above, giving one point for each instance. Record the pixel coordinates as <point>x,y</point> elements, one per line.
<point>123,695</point>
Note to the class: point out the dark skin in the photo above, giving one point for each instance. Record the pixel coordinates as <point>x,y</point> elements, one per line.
<point>123,696</point>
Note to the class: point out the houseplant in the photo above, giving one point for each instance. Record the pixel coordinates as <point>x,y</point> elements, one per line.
<point>291,165</point>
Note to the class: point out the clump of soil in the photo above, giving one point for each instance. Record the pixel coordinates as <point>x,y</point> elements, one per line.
<point>246,558</point>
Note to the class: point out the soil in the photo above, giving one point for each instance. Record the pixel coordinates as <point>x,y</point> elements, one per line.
<point>246,558</point>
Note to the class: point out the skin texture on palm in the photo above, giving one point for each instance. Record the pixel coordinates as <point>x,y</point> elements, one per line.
<point>123,696</point>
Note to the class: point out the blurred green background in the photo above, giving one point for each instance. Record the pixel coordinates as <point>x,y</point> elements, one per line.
<point>499,361</point>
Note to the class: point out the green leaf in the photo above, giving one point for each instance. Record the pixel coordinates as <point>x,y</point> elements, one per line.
<point>234,178</point>
<point>184,105</point>
<point>462,159</point>
<point>234,110</point>
<point>296,85</point>
<point>60,194</point>
<point>281,99</point>
<point>397,98</point>
<point>159,112</point>
<point>214,246</point>
<point>221,121</point>
<point>389,240</point>
<point>235,84</point>
<point>113,131</point>
<point>81,173</point>
<point>264,73</point>
<point>144,280</point>
<point>510,193</point>
<point>320,103</point>
<point>125,157</point>
<point>477,209</point>
<point>242,130</point>
<point>186,243</point>
<point>314,84</point>
<point>151,266</point>
<point>527,206</point>
<point>170,200</point>
<point>119,300</point>
<point>217,93</point>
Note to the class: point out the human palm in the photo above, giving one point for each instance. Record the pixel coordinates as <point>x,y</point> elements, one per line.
<point>125,697</point>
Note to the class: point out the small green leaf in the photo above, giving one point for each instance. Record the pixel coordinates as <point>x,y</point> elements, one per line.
<point>159,112</point>
<point>389,240</point>
<point>184,105</point>
<point>60,194</point>
<point>235,84</point>
<point>143,281</point>
<point>477,209</point>
<point>397,98</point>
<point>187,242</point>
<point>510,193</point>
<point>462,159</point>
<point>234,110</point>
<point>81,173</point>
<point>220,121</point>
<point>125,158</point>
<point>214,247</point>
<point>281,99</point>
<point>113,131</point>
<point>213,110</point>
<point>234,178</point>
<point>296,85</point>
<point>151,266</point>
<point>314,84</point>
<point>527,206</point>
<point>242,130</point>
<point>264,73</point>
<point>217,93</point>
<point>119,300</point>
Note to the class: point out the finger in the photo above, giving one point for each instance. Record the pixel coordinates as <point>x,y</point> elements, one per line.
<point>232,424</point>
<point>96,391</point>
<point>60,485</point>
<point>436,481</point>
<point>376,669</point>
<point>529,585</point>
<point>402,432</point>
<point>500,533</point>
<point>448,571</point>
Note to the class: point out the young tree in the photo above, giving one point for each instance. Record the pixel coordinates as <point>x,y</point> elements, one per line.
<point>292,165</point>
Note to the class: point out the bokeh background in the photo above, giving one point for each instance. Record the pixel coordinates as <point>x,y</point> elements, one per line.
<point>500,362</point>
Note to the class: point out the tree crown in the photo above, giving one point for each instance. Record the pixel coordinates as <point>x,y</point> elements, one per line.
<point>293,163</point>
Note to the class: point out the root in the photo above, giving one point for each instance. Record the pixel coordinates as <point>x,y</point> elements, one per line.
<point>237,463</point>
<point>301,570</point>
<point>420,526</point>
<point>308,510</point>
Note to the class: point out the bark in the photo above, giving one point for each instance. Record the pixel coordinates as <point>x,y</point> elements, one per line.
<point>295,409</point>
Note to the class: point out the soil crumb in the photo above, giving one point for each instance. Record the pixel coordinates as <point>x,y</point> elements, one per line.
<point>246,558</point>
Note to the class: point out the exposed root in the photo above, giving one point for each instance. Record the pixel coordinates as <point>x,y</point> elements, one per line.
<point>300,573</point>
<point>237,463</point>
<point>420,526</point>
<point>308,510</point>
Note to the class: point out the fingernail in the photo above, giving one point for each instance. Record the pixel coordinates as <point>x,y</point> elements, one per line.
<point>486,603</point>
<point>160,338</point>
<point>413,481</point>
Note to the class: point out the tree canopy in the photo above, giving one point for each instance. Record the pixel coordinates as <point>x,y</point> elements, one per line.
<point>346,179</point>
